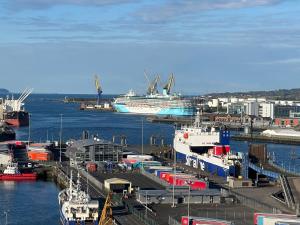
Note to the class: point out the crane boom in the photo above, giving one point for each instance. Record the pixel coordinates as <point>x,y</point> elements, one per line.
<point>98,88</point>
<point>106,215</point>
<point>170,84</point>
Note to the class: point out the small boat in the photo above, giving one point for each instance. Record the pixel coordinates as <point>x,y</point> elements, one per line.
<point>12,173</point>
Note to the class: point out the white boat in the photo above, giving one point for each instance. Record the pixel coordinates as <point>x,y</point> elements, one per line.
<point>76,206</point>
<point>207,149</point>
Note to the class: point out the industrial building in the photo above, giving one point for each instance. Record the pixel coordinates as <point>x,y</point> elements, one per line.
<point>181,196</point>
<point>117,185</point>
<point>93,150</point>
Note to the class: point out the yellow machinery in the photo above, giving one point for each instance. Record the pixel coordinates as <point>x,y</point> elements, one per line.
<point>98,88</point>
<point>106,215</point>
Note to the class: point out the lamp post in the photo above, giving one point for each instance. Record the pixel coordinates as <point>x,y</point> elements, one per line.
<point>174,165</point>
<point>189,195</point>
<point>60,137</point>
<point>6,217</point>
<point>29,128</point>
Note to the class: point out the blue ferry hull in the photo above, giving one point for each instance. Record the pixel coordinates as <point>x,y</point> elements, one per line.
<point>205,166</point>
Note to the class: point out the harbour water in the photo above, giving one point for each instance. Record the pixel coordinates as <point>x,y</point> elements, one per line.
<point>33,203</point>
<point>37,202</point>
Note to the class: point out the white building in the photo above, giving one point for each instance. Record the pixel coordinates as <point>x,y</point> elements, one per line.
<point>266,109</point>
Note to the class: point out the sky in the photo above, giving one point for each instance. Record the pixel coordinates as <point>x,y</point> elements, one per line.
<point>56,46</point>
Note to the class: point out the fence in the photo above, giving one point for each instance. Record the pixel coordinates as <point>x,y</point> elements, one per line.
<point>142,215</point>
<point>286,168</point>
<point>172,221</point>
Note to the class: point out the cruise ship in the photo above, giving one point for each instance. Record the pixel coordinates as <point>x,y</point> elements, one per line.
<point>165,104</point>
<point>76,206</point>
<point>207,149</point>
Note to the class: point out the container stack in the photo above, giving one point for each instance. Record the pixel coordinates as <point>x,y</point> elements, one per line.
<point>39,152</point>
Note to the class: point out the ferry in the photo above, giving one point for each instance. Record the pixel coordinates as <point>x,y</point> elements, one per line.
<point>76,206</point>
<point>207,149</point>
<point>154,103</point>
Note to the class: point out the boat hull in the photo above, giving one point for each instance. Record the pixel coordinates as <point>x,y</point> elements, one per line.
<point>17,118</point>
<point>173,111</point>
<point>64,221</point>
<point>204,165</point>
<point>18,177</point>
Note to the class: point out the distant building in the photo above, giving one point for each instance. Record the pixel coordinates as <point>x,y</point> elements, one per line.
<point>94,150</point>
<point>286,122</point>
<point>285,110</point>
<point>266,110</point>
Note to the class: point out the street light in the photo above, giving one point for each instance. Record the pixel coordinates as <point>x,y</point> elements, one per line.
<point>60,137</point>
<point>174,165</point>
<point>6,215</point>
<point>29,128</point>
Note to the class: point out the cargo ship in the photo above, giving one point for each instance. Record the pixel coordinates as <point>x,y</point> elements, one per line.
<point>207,149</point>
<point>12,173</point>
<point>76,206</point>
<point>14,113</point>
<point>154,103</point>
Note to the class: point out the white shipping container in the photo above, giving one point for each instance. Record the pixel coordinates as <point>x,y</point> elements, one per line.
<point>274,220</point>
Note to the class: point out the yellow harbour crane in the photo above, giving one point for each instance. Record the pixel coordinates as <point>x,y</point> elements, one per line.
<point>98,88</point>
<point>106,215</point>
<point>170,84</point>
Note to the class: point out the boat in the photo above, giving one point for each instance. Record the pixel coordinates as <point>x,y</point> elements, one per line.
<point>14,112</point>
<point>76,206</point>
<point>154,103</point>
<point>206,148</point>
<point>12,173</point>
<point>6,133</point>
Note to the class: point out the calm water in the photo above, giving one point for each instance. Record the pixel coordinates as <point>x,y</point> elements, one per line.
<point>29,203</point>
<point>36,203</point>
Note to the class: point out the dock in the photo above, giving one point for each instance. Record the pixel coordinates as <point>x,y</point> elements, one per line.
<point>261,138</point>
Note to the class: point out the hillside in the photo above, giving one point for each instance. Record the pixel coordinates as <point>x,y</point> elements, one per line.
<point>4,91</point>
<point>281,94</point>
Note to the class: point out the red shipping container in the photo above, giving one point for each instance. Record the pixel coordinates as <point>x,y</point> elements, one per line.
<point>163,175</point>
<point>185,220</point>
<point>227,148</point>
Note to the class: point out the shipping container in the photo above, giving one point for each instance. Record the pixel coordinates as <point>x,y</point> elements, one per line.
<point>287,223</point>
<point>40,155</point>
<point>201,220</point>
<point>221,149</point>
<point>259,217</point>
<point>140,157</point>
<point>91,167</point>
<point>273,220</point>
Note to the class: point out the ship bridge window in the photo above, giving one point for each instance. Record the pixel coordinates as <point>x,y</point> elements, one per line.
<point>199,149</point>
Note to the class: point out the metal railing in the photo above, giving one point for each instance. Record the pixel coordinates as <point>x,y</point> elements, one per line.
<point>253,203</point>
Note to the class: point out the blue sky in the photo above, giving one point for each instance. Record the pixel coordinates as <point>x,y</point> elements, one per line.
<point>55,46</point>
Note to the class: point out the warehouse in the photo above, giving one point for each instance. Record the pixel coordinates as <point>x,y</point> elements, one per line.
<point>117,185</point>
<point>93,150</point>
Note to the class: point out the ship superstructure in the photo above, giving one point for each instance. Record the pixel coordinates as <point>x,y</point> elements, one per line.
<point>207,149</point>
<point>154,102</point>
<point>76,206</point>
<point>13,110</point>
